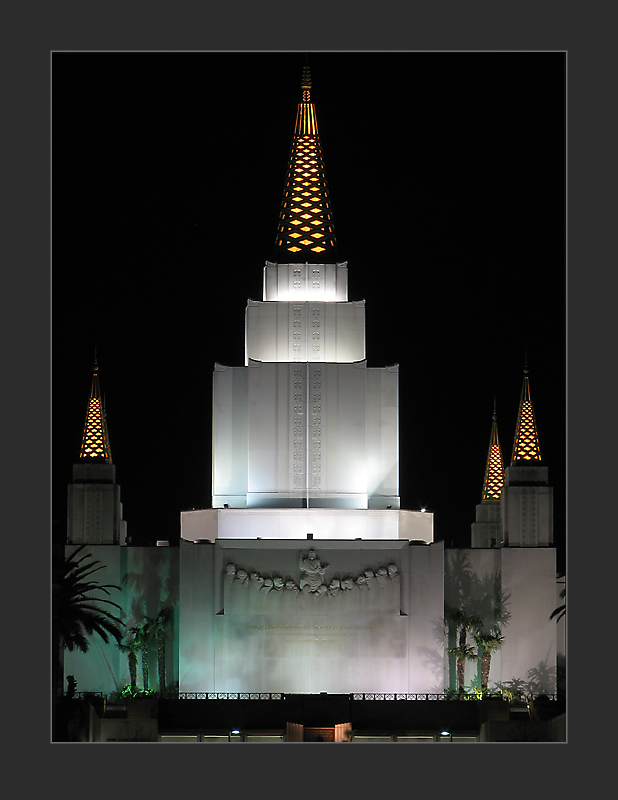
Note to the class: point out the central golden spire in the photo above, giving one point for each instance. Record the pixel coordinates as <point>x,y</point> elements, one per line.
<point>306,233</point>
<point>95,441</point>
<point>526,445</point>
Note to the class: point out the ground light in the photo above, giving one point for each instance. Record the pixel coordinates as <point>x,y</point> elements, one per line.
<point>233,732</point>
<point>447,733</point>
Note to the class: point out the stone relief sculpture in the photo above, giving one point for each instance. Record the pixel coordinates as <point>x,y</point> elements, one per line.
<point>313,571</point>
<point>382,577</point>
<point>334,587</point>
<point>256,580</point>
<point>371,590</point>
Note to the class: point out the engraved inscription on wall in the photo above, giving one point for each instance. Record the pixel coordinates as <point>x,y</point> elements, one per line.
<point>315,427</point>
<point>299,426</point>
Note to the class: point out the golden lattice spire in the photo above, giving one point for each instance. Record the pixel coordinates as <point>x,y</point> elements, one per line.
<point>305,232</point>
<point>526,445</point>
<point>494,469</point>
<point>95,441</point>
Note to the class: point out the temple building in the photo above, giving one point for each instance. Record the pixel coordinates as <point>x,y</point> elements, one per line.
<point>305,576</point>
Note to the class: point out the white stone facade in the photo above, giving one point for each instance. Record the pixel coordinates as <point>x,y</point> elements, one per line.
<point>305,422</point>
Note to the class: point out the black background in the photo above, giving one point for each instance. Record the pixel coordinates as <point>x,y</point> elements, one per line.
<point>447,177</point>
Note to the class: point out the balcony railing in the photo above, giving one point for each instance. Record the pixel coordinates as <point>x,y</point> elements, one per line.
<point>282,696</point>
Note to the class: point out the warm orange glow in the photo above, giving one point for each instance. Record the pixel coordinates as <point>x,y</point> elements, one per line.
<point>494,470</point>
<point>526,445</point>
<point>95,441</point>
<point>306,185</point>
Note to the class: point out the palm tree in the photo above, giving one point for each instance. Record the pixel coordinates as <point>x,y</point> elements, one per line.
<point>142,636</point>
<point>487,643</point>
<point>462,623</point>
<point>77,613</point>
<point>130,647</point>
<point>158,628</point>
<point>459,581</point>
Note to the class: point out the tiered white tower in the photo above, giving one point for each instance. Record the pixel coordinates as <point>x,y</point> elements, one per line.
<point>305,423</point>
<point>527,498</point>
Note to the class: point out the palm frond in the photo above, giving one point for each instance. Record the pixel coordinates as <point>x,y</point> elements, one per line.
<point>77,612</point>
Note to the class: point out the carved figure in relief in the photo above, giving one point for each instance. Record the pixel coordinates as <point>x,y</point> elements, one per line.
<point>382,577</point>
<point>313,571</point>
<point>320,591</point>
<point>256,582</point>
<point>312,583</point>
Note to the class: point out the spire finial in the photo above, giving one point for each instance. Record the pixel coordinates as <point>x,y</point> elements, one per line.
<point>305,83</point>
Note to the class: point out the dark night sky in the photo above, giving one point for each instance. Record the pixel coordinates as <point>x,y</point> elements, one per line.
<point>447,178</point>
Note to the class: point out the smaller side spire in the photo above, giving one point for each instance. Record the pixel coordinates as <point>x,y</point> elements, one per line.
<point>95,440</point>
<point>526,444</point>
<point>494,469</point>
